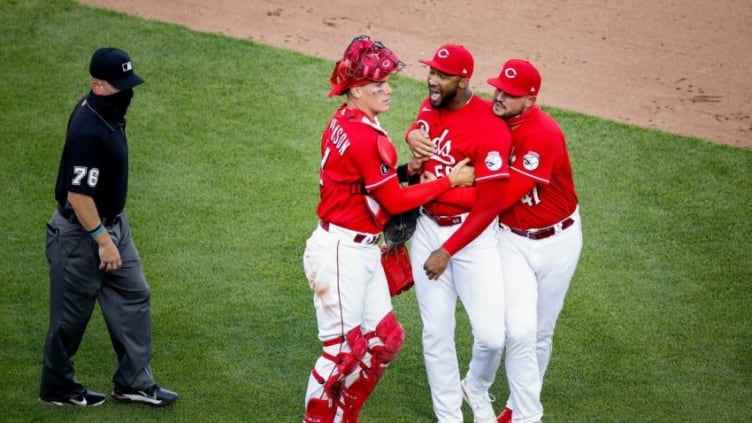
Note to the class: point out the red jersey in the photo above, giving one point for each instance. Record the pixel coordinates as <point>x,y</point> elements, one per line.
<point>351,166</point>
<point>539,152</point>
<point>472,131</point>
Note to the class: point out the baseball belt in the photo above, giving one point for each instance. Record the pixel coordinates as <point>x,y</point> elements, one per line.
<point>543,232</point>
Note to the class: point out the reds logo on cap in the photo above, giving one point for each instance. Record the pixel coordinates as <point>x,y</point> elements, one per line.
<point>517,77</point>
<point>452,59</point>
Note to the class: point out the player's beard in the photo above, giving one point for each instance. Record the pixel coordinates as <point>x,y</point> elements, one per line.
<point>444,99</point>
<point>513,118</point>
<point>501,110</point>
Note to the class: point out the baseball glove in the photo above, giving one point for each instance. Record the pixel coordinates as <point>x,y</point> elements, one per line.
<point>399,273</point>
<point>400,228</point>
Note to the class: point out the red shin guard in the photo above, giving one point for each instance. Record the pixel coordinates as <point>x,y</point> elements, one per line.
<point>324,409</point>
<point>319,411</point>
<point>392,336</point>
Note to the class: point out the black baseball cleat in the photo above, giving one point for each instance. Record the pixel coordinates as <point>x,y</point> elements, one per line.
<point>155,395</point>
<point>87,399</point>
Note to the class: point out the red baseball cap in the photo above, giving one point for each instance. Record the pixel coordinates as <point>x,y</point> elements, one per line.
<point>452,59</point>
<point>518,77</point>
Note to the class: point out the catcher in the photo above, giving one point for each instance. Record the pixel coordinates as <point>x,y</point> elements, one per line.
<point>359,192</point>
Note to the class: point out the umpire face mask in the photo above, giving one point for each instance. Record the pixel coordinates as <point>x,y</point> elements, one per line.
<point>114,106</point>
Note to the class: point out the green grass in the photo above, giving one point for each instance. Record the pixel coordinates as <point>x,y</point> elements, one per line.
<point>224,138</point>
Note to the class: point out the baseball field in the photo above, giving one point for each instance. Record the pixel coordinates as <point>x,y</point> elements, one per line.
<point>224,157</point>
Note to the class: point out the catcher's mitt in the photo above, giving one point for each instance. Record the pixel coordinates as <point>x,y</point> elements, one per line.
<point>400,228</point>
<point>399,273</point>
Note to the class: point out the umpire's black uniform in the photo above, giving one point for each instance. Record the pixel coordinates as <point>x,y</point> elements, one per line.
<point>95,163</point>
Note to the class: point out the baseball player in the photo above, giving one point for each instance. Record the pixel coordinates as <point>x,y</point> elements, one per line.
<point>454,251</point>
<point>540,237</point>
<point>359,192</point>
<point>90,251</point>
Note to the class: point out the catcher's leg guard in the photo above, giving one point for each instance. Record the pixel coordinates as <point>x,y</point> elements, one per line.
<point>319,411</point>
<point>323,409</point>
<point>390,337</point>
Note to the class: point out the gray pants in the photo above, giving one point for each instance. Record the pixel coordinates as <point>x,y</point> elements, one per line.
<point>76,283</point>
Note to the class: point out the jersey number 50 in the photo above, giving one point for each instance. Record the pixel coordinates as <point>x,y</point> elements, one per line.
<point>441,171</point>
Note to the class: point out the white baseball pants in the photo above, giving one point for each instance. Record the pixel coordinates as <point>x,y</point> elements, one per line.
<point>537,276</point>
<point>350,289</point>
<point>474,276</point>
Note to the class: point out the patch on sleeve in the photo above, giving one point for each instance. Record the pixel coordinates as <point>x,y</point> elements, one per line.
<point>493,160</point>
<point>531,161</point>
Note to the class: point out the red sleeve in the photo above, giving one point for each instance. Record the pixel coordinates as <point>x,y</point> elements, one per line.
<point>460,197</point>
<point>395,199</point>
<point>518,185</point>
<point>487,206</point>
<point>486,209</point>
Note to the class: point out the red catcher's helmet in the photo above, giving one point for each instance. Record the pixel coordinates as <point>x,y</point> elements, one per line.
<point>364,61</point>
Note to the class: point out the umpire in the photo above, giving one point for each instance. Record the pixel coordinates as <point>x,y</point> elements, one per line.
<point>90,251</point>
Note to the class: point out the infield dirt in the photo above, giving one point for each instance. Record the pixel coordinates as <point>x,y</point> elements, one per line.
<point>681,66</point>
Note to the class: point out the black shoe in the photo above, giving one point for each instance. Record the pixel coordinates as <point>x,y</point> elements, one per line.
<point>87,399</point>
<point>153,396</point>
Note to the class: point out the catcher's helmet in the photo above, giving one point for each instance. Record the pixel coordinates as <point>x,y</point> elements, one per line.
<point>363,61</point>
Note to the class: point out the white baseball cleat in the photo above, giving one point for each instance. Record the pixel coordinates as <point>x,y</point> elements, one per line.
<point>480,404</point>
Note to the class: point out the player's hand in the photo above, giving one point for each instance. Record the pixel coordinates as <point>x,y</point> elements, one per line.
<point>462,175</point>
<point>420,144</point>
<point>415,165</point>
<point>109,256</point>
<point>436,263</point>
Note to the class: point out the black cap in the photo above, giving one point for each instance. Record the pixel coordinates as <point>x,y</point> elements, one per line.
<point>114,66</point>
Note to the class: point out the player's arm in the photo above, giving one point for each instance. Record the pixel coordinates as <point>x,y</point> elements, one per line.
<point>487,207</point>
<point>518,185</point>
<point>84,159</point>
<point>460,196</point>
<point>489,202</point>
<point>396,199</point>
<point>485,210</point>
<point>87,215</point>
<point>463,196</point>
<point>410,171</point>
